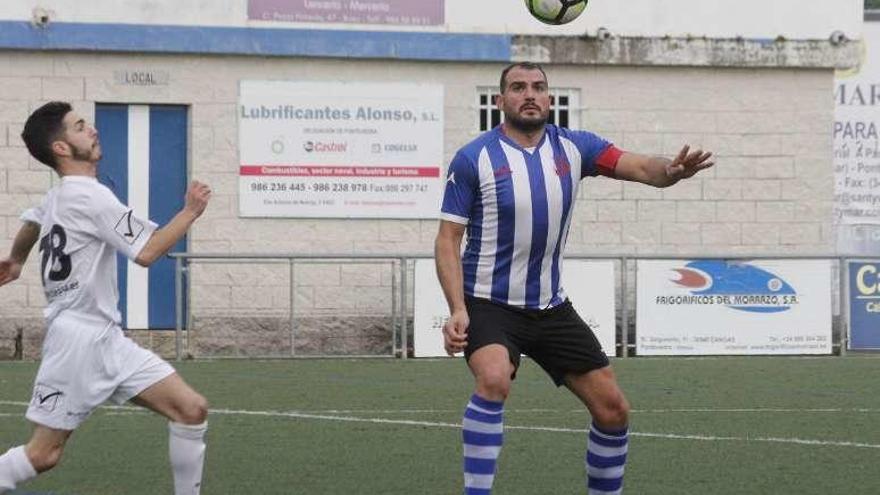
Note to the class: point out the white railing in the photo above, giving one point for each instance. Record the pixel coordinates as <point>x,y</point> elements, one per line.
<point>400,288</point>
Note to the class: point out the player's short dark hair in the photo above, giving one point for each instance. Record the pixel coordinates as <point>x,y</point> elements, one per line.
<point>522,65</point>
<point>43,127</point>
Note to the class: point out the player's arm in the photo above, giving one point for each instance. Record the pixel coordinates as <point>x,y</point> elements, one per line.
<point>447,257</point>
<point>165,238</point>
<point>659,171</point>
<point>447,249</point>
<point>10,268</point>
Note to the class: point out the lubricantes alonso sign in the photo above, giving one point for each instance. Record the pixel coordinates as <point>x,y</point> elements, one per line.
<point>339,149</point>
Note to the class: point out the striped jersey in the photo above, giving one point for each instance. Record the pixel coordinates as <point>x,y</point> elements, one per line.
<point>517,205</point>
<point>82,227</point>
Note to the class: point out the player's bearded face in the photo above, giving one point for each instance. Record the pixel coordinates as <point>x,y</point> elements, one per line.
<point>528,118</point>
<point>81,138</point>
<point>526,100</point>
<point>88,152</point>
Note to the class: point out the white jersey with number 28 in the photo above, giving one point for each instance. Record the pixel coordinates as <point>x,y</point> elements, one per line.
<point>82,226</point>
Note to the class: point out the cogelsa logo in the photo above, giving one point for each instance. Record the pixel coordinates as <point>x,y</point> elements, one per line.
<point>738,286</point>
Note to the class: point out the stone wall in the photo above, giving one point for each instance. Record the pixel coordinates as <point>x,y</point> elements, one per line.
<point>770,192</point>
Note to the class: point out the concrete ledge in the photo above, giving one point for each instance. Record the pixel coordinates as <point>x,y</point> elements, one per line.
<point>698,52</point>
<point>314,336</point>
<point>234,337</point>
<point>30,342</point>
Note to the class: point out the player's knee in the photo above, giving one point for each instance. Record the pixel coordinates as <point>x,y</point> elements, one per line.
<point>622,412</point>
<point>614,414</point>
<point>44,458</point>
<point>494,384</point>
<point>195,411</point>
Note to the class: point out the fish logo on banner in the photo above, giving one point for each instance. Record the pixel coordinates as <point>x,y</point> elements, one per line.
<point>739,286</point>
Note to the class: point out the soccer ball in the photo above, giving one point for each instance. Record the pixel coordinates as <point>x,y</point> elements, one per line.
<point>556,11</point>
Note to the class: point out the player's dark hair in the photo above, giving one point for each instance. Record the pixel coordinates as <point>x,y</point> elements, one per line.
<point>42,128</point>
<point>522,65</point>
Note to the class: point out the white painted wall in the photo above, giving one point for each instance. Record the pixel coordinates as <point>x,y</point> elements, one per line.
<point>792,19</point>
<point>770,192</point>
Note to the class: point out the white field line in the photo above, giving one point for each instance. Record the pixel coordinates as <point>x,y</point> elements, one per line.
<point>700,410</point>
<point>434,424</point>
<point>757,410</point>
<point>760,410</point>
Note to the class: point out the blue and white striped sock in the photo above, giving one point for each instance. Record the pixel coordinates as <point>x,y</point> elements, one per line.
<point>482,436</point>
<point>606,458</point>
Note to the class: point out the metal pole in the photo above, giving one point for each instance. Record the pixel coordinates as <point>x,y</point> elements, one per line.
<point>404,344</point>
<point>624,319</point>
<point>394,320</point>
<point>178,310</point>
<point>190,329</point>
<point>292,268</point>
<point>844,305</point>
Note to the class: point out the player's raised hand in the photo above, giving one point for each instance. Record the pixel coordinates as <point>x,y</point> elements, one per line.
<point>455,332</point>
<point>688,163</point>
<point>197,197</point>
<point>9,270</point>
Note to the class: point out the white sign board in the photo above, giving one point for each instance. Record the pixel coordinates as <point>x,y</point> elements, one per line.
<point>733,307</point>
<point>340,150</point>
<point>589,285</point>
<point>856,141</point>
<point>429,311</point>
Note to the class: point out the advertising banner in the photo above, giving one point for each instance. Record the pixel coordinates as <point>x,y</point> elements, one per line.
<point>395,12</point>
<point>856,142</point>
<point>733,307</point>
<point>340,150</point>
<point>589,285</point>
<point>864,305</point>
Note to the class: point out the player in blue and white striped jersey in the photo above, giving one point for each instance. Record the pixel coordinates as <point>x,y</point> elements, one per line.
<point>513,191</point>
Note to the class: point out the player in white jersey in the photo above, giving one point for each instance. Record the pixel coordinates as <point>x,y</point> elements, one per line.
<point>86,359</point>
<point>513,190</point>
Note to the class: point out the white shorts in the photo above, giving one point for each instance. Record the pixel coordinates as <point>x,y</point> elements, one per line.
<point>86,362</point>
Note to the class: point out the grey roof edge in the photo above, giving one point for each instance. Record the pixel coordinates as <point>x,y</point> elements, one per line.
<point>705,52</point>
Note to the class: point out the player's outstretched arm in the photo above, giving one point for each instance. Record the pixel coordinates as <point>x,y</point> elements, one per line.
<point>10,268</point>
<point>662,172</point>
<point>447,256</point>
<point>165,238</point>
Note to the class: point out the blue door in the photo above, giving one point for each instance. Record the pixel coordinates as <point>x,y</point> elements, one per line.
<point>144,164</point>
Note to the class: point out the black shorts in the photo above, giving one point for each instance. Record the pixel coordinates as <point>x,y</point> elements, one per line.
<point>556,338</point>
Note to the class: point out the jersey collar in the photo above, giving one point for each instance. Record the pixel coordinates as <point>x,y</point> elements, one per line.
<point>78,178</point>
<point>504,137</point>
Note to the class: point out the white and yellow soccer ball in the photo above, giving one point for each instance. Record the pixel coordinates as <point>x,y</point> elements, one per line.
<point>556,11</point>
